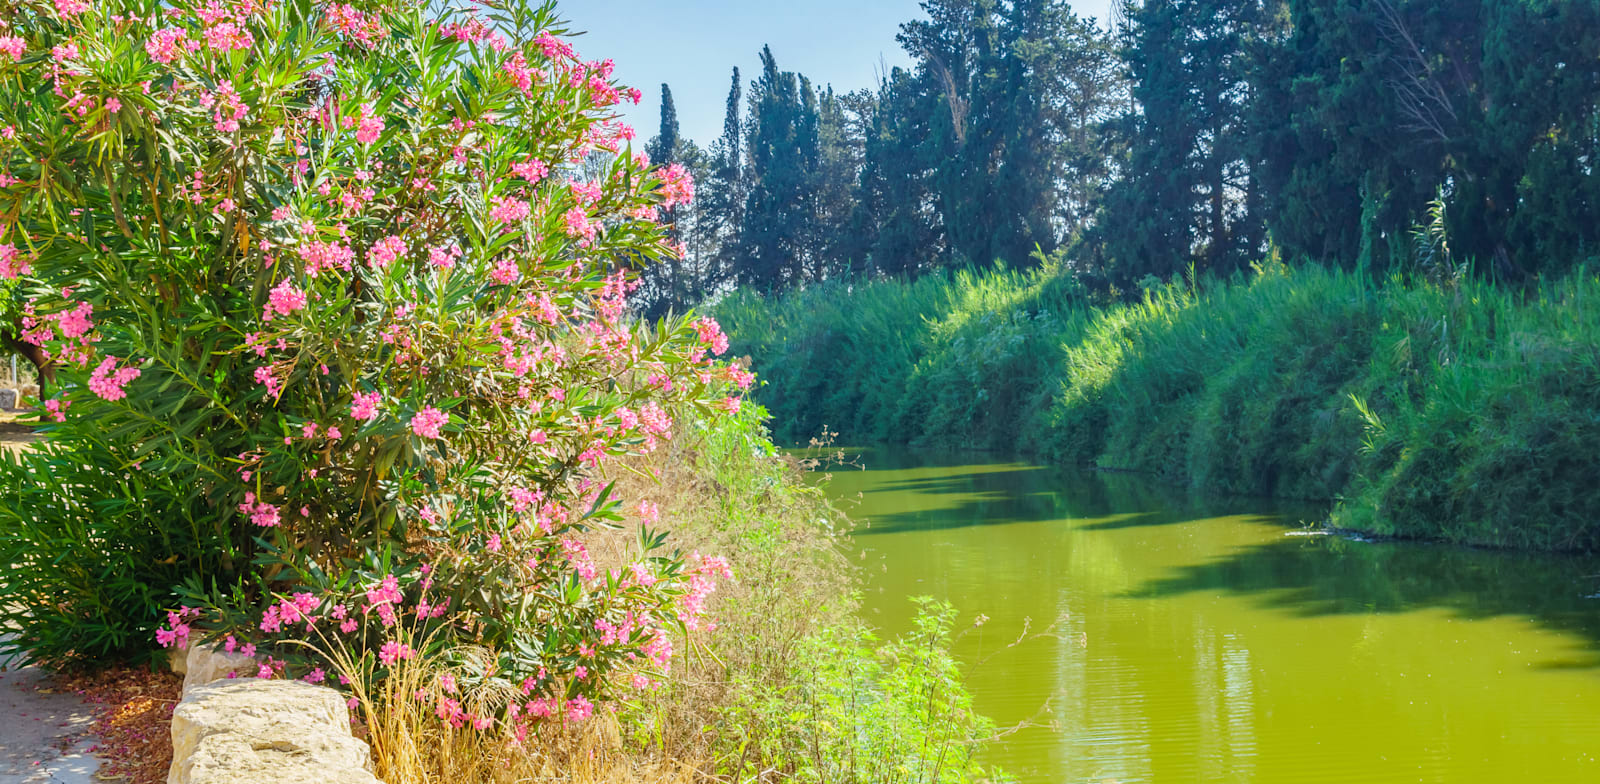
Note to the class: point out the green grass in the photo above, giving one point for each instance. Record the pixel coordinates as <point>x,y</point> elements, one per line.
<point>1466,413</point>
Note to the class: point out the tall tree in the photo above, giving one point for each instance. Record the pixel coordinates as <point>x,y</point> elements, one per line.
<point>664,146</point>
<point>721,198</point>
<point>1189,191</point>
<point>773,247</point>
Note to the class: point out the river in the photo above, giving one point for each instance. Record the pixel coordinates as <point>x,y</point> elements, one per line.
<point>1213,640</point>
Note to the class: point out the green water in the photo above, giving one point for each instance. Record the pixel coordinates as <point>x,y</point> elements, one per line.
<point>1200,641</point>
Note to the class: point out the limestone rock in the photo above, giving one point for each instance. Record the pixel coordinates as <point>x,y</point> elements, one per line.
<point>252,731</point>
<point>204,664</point>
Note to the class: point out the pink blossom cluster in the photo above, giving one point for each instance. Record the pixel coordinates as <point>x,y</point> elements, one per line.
<point>56,409</point>
<point>67,9</point>
<point>554,48</point>
<point>444,258</point>
<point>427,422</point>
<point>578,226</point>
<point>365,29</point>
<point>300,608</point>
<point>364,406</point>
<point>108,381</point>
<point>508,210</point>
<point>578,559</point>
<point>227,107</point>
<point>393,651</point>
<point>261,513</point>
<point>323,256</point>
<point>533,170</point>
<point>711,334</point>
<point>386,251</point>
<point>516,66</point>
<point>176,632</point>
<point>369,126</point>
<point>166,45</point>
<point>13,263</point>
<point>702,582</point>
<point>677,185</point>
<point>285,298</point>
<point>14,46</point>
<point>471,31</point>
<point>228,36</point>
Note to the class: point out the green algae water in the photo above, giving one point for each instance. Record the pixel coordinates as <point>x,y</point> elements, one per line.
<point>1176,640</point>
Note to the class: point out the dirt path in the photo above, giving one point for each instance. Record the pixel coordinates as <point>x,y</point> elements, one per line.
<point>43,734</point>
<point>15,436</point>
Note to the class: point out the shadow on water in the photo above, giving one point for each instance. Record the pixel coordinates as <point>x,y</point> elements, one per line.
<point>1328,575</point>
<point>1304,575</point>
<point>948,491</point>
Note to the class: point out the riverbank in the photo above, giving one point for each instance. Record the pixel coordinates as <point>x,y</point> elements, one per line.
<point>1464,413</point>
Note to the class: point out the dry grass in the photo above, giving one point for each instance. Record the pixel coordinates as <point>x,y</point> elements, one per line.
<point>790,583</point>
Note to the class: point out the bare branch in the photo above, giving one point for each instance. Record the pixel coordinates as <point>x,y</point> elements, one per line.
<point>1422,96</point>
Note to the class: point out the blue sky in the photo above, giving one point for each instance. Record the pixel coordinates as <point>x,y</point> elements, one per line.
<point>693,46</point>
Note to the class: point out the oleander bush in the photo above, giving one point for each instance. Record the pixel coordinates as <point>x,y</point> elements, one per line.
<point>336,294</point>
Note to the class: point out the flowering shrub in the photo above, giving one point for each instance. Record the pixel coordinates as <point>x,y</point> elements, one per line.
<point>357,273</point>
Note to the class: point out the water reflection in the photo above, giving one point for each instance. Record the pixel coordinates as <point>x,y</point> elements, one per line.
<point>1194,641</point>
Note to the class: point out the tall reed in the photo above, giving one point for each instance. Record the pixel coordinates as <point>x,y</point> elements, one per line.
<point>1461,411</point>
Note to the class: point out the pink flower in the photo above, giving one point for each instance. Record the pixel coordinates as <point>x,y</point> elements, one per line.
<point>320,256</point>
<point>166,45</point>
<point>532,170</point>
<point>579,709</point>
<point>364,406</point>
<point>13,46</point>
<point>710,333</point>
<point>577,224</point>
<point>443,258</point>
<point>505,272</point>
<point>509,210</point>
<point>12,264</point>
<point>228,109</point>
<point>316,676</point>
<point>517,67</point>
<point>57,409</point>
<point>649,513</point>
<point>386,592</point>
<point>428,421</point>
<point>366,29</point>
<point>227,36</point>
<point>285,298</point>
<point>370,127</point>
<point>69,8</point>
<point>392,652</point>
<point>109,385</point>
<point>261,513</point>
<point>76,323</point>
<point>677,185</point>
<point>385,251</point>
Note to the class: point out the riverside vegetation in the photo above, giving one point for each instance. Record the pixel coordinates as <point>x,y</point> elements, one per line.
<point>1454,409</point>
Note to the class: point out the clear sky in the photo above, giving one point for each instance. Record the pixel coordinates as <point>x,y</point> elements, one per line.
<point>693,45</point>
